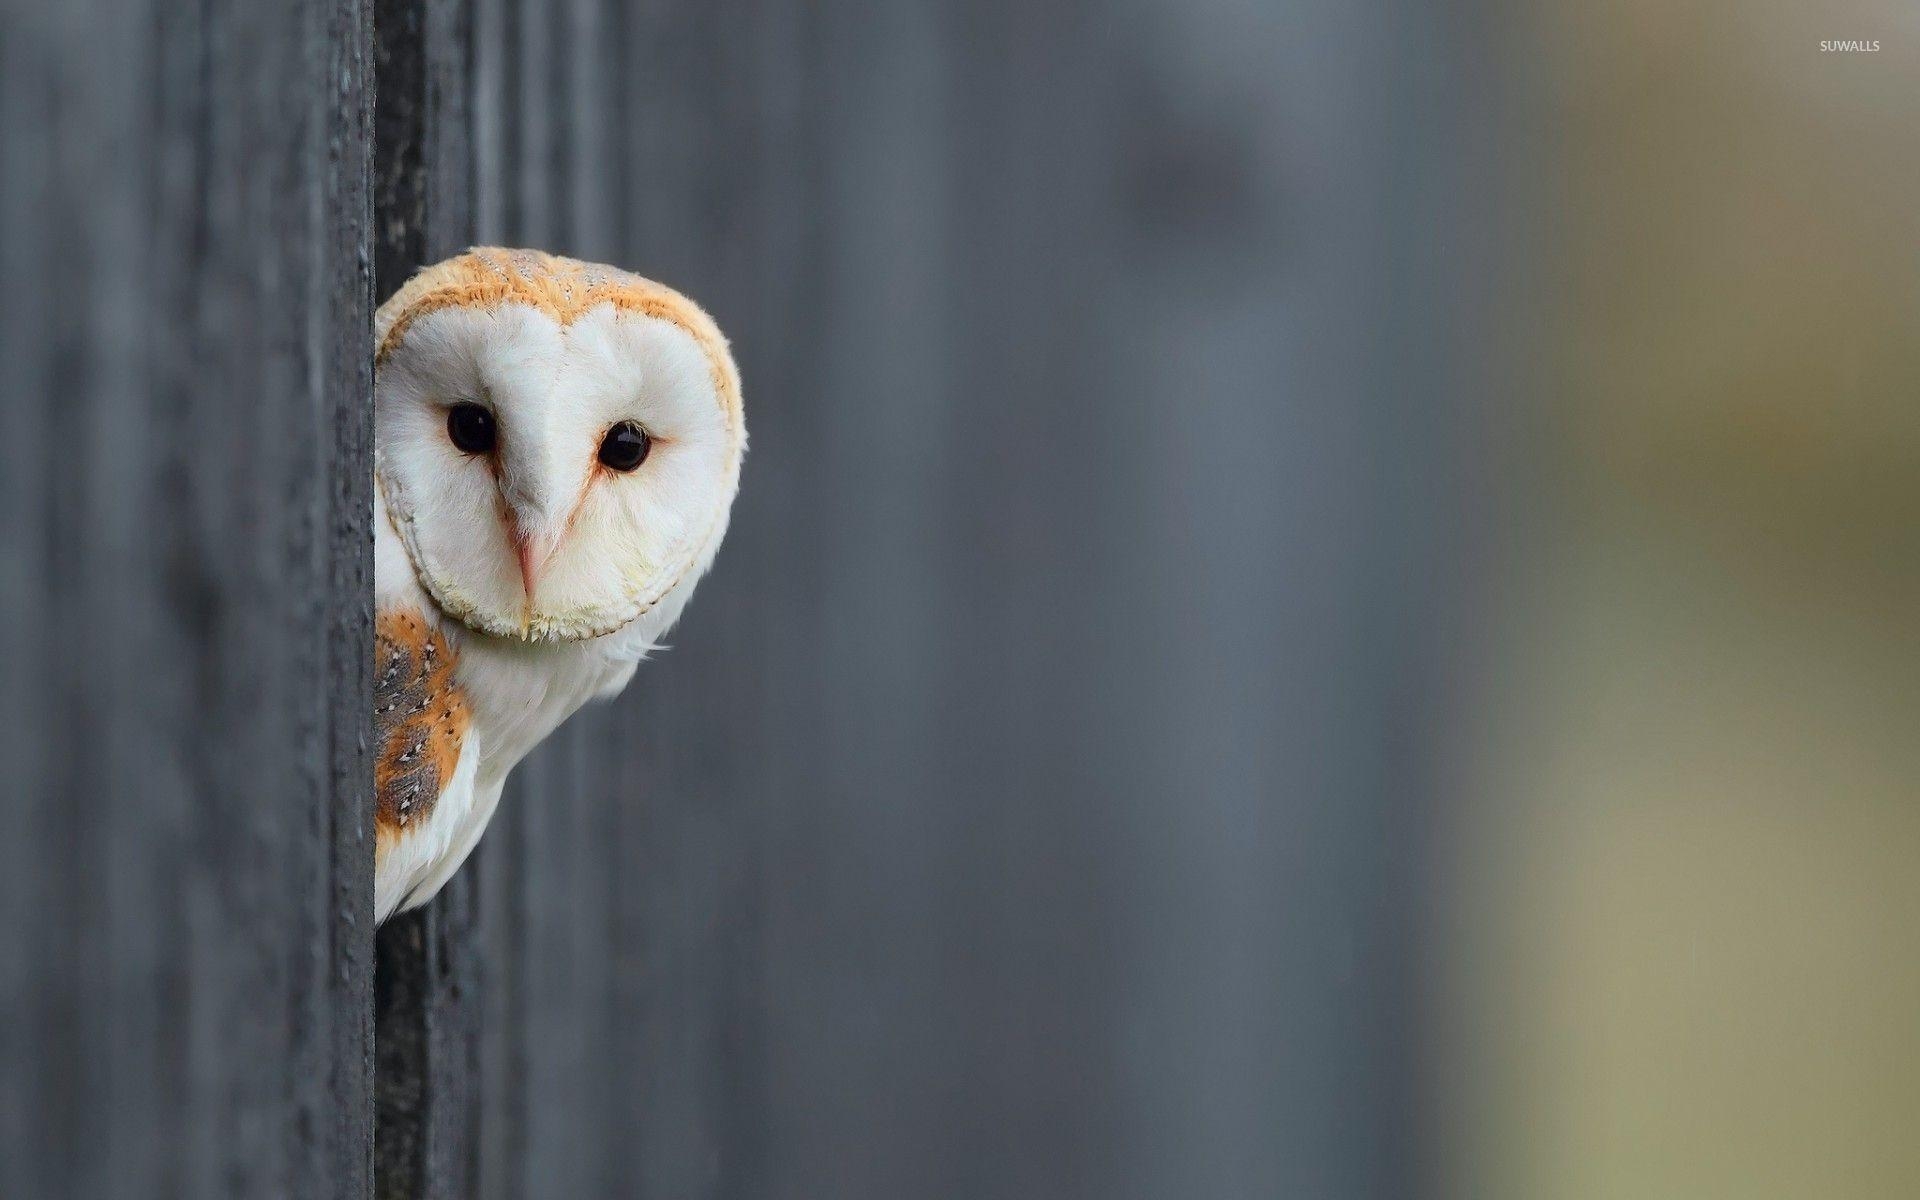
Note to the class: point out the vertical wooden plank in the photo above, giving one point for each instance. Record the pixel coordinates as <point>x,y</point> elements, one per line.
<point>430,972</point>
<point>184,1003</point>
<point>340,1160</point>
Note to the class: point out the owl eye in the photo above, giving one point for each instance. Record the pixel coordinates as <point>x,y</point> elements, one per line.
<point>625,446</point>
<point>470,427</point>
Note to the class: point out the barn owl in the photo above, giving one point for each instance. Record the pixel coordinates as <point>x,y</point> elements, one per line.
<point>556,448</point>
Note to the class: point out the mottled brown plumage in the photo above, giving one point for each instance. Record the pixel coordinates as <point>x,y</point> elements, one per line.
<point>419,719</point>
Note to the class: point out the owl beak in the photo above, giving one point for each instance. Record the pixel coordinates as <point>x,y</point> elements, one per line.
<point>531,560</point>
<point>535,525</point>
<point>532,552</point>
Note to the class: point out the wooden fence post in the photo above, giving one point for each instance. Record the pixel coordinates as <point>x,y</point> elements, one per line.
<point>185,568</point>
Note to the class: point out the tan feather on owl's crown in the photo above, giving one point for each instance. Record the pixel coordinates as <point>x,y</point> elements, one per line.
<point>563,288</point>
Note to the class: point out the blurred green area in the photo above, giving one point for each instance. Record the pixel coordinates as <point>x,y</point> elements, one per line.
<point>1682,954</point>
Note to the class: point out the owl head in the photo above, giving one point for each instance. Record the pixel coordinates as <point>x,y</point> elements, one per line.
<point>557,443</point>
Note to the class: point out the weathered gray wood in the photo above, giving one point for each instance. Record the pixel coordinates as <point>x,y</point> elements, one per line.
<point>1028,805</point>
<point>428,989</point>
<point>427,1012</point>
<point>186,962</point>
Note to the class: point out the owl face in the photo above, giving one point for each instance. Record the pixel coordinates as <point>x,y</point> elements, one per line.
<point>558,444</point>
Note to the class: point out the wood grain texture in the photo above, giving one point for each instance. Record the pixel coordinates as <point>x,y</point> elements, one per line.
<point>185,582</point>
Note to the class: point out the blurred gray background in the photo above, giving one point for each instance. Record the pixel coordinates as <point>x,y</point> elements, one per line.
<point>1321,606</point>
<point>1028,805</point>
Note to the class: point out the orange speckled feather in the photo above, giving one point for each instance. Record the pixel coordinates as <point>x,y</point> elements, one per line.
<point>419,720</point>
